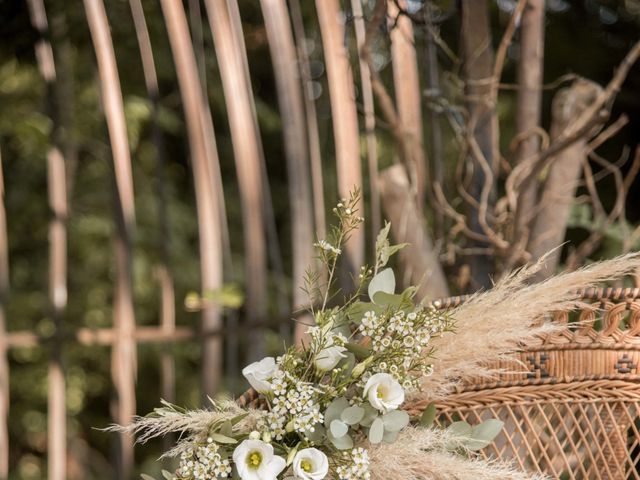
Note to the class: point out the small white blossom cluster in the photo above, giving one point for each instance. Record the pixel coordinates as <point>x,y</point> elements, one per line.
<point>327,247</point>
<point>357,467</point>
<point>400,341</point>
<point>204,463</point>
<point>293,401</point>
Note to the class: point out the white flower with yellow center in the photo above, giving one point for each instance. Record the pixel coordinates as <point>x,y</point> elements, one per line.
<point>310,464</point>
<point>383,392</point>
<point>255,460</point>
<point>259,374</point>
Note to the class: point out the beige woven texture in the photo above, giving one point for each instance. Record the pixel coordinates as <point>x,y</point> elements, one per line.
<point>571,407</point>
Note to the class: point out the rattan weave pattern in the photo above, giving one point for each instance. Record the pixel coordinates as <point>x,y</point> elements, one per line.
<point>571,406</point>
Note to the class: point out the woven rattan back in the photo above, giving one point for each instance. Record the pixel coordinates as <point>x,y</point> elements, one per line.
<point>574,412</point>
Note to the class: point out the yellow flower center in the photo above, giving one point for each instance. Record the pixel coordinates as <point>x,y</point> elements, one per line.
<point>382,392</point>
<point>306,465</point>
<point>254,459</point>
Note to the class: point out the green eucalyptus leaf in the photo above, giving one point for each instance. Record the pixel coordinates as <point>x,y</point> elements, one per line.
<point>376,432</point>
<point>370,414</point>
<point>359,351</point>
<point>220,438</point>
<point>227,429</point>
<point>338,428</point>
<point>428,416</point>
<point>487,430</point>
<point>238,418</point>
<point>390,437</point>
<point>144,476</point>
<point>475,444</point>
<point>168,475</point>
<point>292,454</point>
<point>460,429</point>
<point>382,238</point>
<point>317,436</point>
<point>352,415</point>
<point>334,410</point>
<point>341,443</point>
<point>388,299</point>
<point>384,281</point>
<point>395,420</point>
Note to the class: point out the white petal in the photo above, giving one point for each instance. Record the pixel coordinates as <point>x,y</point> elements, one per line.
<point>273,468</point>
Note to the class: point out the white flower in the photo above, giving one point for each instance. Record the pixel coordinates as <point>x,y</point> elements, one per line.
<point>259,374</point>
<point>310,464</point>
<point>384,392</point>
<point>255,460</point>
<point>329,356</point>
<point>327,247</point>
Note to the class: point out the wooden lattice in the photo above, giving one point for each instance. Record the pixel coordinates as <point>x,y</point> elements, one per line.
<point>573,409</point>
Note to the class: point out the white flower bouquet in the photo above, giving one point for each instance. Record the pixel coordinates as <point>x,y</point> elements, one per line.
<point>333,407</point>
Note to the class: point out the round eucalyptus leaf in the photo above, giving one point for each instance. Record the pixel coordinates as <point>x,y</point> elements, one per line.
<point>341,443</point>
<point>376,432</point>
<point>352,415</point>
<point>338,428</point>
<point>395,420</point>
<point>334,410</point>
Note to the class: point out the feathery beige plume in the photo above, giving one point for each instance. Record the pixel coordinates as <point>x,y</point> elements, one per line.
<point>492,325</point>
<point>423,453</point>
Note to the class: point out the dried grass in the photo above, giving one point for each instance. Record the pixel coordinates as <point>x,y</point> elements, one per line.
<point>189,425</point>
<point>492,325</point>
<point>423,453</point>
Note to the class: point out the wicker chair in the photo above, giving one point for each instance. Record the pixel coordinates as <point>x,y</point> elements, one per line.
<point>575,412</point>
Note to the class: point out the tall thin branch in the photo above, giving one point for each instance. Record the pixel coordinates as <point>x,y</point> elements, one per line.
<point>435,129</point>
<point>311,119</point>
<point>478,66</point>
<point>57,190</point>
<point>408,94</point>
<point>244,137</point>
<point>273,242</point>
<point>344,116</point>
<point>204,161</point>
<point>167,293</point>
<point>4,363</point>
<point>529,101</point>
<point>369,121</point>
<point>124,352</point>
<point>550,223</point>
<point>288,86</point>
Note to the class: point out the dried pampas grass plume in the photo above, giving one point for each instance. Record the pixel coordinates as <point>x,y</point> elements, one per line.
<point>422,453</point>
<point>492,325</point>
<point>189,424</point>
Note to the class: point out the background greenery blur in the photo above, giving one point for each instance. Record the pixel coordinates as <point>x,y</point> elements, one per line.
<point>587,37</point>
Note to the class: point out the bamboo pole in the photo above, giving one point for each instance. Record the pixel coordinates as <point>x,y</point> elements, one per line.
<point>435,129</point>
<point>285,69</point>
<point>529,106</point>
<point>124,352</point>
<point>57,414</point>
<point>57,192</point>
<point>205,164</point>
<point>163,271</point>
<point>344,117</point>
<point>408,94</point>
<point>4,343</point>
<point>311,119</point>
<point>247,154</point>
<point>273,243</point>
<point>369,122</point>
